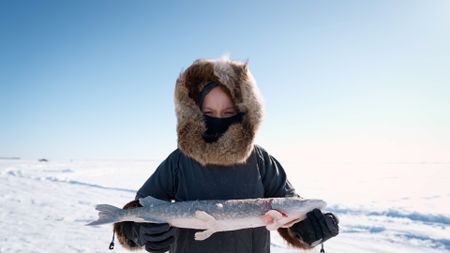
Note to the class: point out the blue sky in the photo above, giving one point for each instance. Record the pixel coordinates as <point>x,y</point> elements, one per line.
<point>341,80</point>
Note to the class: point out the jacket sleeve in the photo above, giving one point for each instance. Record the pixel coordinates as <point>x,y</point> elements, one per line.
<point>276,184</point>
<point>273,176</point>
<point>163,182</point>
<point>161,185</point>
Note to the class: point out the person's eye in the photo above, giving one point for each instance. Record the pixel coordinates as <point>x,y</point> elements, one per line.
<point>229,113</point>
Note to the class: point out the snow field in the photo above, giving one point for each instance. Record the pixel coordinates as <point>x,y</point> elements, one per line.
<point>45,206</point>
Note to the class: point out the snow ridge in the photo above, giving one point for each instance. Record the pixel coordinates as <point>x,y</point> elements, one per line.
<point>438,219</point>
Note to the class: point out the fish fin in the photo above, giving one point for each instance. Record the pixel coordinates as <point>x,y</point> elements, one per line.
<point>273,226</point>
<point>274,214</point>
<point>210,221</point>
<point>204,216</point>
<point>272,219</point>
<point>151,201</point>
<point>107,214</point>
<point>200,236</point>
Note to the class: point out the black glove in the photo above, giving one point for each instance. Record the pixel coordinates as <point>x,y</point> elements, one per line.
<point>156,237</point>
<point>316,228</point>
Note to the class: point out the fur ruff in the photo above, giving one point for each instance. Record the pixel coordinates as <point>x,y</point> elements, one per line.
<point>236,144</point>
<point>292,240</point>
<point>119,229</point>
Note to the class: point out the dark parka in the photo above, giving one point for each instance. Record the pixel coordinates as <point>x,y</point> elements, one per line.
<point>233,167</point>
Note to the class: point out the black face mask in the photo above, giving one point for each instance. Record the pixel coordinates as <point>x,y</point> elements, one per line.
<point>216,127</point>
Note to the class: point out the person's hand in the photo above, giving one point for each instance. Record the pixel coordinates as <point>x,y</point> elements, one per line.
<point>316,228</point>
<point>156,237</point>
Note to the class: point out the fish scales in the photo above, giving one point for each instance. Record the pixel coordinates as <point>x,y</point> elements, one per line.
<point>220,210</point>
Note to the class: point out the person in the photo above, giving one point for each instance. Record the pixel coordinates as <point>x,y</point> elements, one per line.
<point>219,110</point>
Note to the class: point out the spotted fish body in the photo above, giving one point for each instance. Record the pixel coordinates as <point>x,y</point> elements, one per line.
<point>213,216</point>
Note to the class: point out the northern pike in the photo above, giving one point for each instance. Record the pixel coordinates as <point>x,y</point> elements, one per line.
<point>213,216</point>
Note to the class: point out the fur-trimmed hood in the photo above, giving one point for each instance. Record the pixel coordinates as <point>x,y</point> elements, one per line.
<point>236,144</point>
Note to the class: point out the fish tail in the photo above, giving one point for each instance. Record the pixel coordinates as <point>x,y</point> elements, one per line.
<point>107,214</point>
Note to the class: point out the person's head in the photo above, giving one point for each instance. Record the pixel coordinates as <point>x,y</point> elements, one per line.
<point>218,110</point>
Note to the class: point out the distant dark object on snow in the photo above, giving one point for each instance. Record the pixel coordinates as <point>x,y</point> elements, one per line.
<point>43,160</point>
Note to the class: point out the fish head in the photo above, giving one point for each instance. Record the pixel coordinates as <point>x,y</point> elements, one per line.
<point>296,208</point>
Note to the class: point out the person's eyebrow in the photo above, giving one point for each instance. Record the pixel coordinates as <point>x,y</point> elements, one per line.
<point>208,108</point>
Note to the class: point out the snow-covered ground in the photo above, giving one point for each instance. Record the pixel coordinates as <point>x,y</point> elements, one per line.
<point>383,207</point>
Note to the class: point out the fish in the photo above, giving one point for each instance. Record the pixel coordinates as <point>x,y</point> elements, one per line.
<point>212,216</point>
